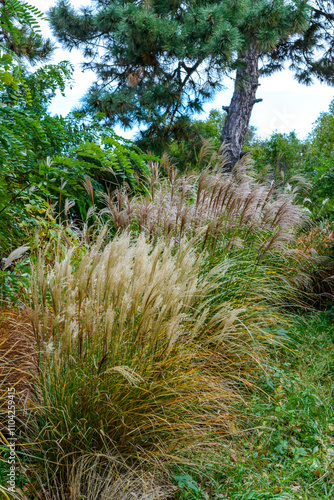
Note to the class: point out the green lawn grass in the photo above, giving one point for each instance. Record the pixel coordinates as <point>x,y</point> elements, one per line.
<point>289,451</point>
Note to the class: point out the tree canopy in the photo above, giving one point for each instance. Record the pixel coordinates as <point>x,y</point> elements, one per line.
<point>157,61</point>
<point>311,55</point>
<point>20,33</point>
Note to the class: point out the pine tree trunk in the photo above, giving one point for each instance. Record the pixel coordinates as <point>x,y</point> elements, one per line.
<point>240,109</point>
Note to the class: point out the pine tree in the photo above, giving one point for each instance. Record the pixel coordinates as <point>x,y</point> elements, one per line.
<point>267,25</point>
<point>156,61</point>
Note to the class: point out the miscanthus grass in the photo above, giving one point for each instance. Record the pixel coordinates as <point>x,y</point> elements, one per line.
<point>147,342</point>
<point>252,224</point>
<point>18,357</point>
<point>230,210</point>
<point>139,361</point>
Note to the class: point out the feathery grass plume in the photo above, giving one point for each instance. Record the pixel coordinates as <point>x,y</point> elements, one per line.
<point>254,224</point>
<point>225,206</point>
<point>138,359</point>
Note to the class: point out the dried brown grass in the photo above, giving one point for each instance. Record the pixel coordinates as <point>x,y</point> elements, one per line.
<point>99,476</point>
<point>18,354</point>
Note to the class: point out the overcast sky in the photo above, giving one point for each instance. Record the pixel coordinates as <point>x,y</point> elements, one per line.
<point>287,105</point>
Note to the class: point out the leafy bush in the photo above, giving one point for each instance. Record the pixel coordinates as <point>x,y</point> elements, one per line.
<point>199,140</point>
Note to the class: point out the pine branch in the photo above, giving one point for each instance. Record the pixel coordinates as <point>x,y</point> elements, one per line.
<point>327,15</point>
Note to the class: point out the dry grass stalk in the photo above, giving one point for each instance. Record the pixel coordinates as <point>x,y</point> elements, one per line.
<point>16,254</point>
<point>99,476</point>
<point>18,355</point>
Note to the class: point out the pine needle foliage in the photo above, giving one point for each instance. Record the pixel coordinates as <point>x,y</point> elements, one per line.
<point>155,61</point>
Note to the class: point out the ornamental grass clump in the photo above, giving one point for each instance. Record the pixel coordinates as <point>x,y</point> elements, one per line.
<point>137,359</point>
<point>254,225</point>
<point>230,210</point>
